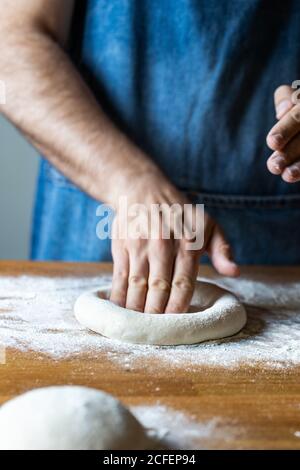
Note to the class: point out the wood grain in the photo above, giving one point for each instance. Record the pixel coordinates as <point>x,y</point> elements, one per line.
<point>256,407</point>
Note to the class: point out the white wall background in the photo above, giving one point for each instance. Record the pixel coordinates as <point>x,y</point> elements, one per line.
<point>18,170</point>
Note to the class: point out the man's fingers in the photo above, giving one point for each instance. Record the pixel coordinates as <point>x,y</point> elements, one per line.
<point>281,137</point>
<point>276,163</point>
<point>120,276</point>
<point>161,261</point>
<point>285,129</point>
<point>283,100</point>
<point>221,256</point>
<point>280,160</point>
<point>183,284</point>
<point>138,279</point>
<point>291,174</point>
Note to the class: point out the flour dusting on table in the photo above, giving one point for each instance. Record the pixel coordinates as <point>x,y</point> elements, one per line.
<point>176,430</point>
<point>36,313</point>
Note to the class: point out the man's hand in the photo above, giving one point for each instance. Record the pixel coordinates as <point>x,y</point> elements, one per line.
<point>158,275</point>
<point>50,103</point>
<point>284,137</point>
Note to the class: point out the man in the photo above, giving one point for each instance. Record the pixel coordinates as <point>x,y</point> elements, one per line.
<point>160,101</point>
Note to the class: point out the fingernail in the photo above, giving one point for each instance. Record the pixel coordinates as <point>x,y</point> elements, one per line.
<point>278,163</point>
<point>277,138</point>
<point>234,268</point>
<point>294,172</point>
<point>282,108</point>
<point>237,270</point>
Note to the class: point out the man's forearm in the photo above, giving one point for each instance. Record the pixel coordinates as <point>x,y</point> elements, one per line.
<point>48,101</point>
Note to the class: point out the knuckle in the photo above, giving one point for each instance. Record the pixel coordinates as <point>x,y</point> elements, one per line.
<point>295,113</point>
<point>121,275</point>
<point>184,283</point>
<point>224,247</point>
<point>138,282</point>
<point>160,284</point>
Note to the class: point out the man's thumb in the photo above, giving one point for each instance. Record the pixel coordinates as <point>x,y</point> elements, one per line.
<point>220,254</point>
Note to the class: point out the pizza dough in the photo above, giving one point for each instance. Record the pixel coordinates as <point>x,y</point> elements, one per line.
<point>68,418</point>
<point>214,313</point>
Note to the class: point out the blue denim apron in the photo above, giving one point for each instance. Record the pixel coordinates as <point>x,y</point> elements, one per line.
<point>191,82</point>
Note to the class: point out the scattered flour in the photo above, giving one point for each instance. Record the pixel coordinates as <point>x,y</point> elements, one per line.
<point>36,313</point>
<point>176,430</point>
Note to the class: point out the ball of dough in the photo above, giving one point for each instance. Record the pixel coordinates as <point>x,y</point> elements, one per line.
<point>214,313</point>
<point>68,418</point>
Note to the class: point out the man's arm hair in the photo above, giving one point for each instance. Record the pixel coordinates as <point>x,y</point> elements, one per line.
<point>47,99</point>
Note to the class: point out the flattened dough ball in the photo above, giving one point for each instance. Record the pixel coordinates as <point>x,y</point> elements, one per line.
<point>214,313</point>
<point>68,418</point>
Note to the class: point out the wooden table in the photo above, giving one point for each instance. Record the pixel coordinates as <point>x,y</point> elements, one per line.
<point>264,403</point>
